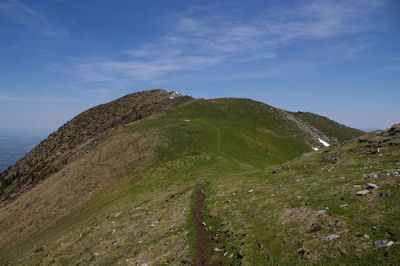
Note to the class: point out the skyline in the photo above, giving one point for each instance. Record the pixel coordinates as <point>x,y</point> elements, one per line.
<point>336,59</point>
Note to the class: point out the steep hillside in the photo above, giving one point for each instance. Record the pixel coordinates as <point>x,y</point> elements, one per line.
<point>79,135</point>
<point>328,127</point>
<point>228,181</point>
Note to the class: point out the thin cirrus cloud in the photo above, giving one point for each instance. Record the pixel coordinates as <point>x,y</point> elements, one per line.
<point>19,12</point>
<point>199,41</point>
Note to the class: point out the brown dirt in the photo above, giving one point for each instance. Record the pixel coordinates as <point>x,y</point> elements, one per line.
<point>205,242</point>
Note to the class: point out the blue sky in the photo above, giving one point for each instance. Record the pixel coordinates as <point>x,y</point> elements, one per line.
<point>340,59</point>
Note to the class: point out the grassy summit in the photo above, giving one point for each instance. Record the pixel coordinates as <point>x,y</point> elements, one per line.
<point>134,196</point>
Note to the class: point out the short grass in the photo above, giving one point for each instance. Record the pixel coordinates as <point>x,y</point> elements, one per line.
<point>259,218</point>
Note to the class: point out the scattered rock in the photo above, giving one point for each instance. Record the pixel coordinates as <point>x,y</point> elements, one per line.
<point>359,234</point>
<point>331,237</point>
<point>344,205</point>
<point>154,223</point>
<point>279,169</point>
<point>251,190</point>
<point>323,210</point>
<point>217,249</point>
<point>373,175</point>
<point>356,186</point>
<point>362,235</point>
<point>380,244</point>
<point>187,261</point>
<point>39,249</point>
<point>383,194</point>
<point>330,159</point>
<point>303,253</point>
<point>362,192</point>
<point>334,223</point>
<point>315,227</point>
<point>241,253</point>
<point>389,244</point>
<point>371,186</point>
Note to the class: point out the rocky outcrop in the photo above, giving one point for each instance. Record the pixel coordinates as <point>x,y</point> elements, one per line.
<point>316,136</point>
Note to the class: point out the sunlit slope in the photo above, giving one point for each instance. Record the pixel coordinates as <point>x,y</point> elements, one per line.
<point>128,199</point>
<point>307,211</point>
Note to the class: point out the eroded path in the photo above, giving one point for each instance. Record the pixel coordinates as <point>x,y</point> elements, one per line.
<point>205,242</point>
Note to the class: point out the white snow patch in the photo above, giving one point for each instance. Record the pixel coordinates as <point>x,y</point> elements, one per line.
<point>326,144</point>
<point>315,149</point>
<point>174,95</point>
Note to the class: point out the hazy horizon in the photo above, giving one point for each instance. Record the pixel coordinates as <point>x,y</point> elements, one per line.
<point>338,59</point>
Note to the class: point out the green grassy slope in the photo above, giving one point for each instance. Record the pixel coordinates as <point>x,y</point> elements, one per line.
<point>147,171</point>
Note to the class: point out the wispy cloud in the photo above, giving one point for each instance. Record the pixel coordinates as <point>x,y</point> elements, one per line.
<point>200,40</point>
<point>34,99</point>
<point>17,11</point>
<point>142,69</point>
<point>59,33</point>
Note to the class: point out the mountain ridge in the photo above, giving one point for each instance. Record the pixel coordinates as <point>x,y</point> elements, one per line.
<point>131,197</point>
<point>81,133</point>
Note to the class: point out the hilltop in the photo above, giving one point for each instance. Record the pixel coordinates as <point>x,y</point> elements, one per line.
<point>156,178</point>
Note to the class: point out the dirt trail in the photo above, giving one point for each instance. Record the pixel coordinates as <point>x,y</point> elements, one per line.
<point>205,242</point>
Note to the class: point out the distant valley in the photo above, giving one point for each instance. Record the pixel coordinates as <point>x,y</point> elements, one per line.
<point>13,148</point>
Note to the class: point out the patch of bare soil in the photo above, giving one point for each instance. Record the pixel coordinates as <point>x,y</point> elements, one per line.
<point>205,255</point>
